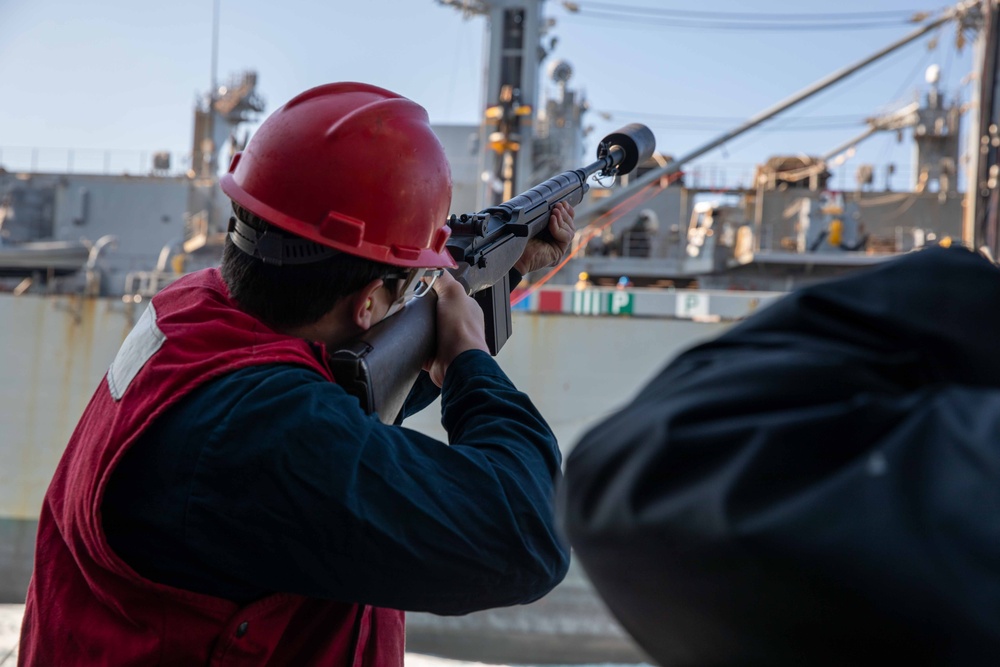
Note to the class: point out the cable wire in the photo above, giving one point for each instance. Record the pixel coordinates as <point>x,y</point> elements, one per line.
<point>754,16</point>
<point>744,20</point>
<point>656,22</point>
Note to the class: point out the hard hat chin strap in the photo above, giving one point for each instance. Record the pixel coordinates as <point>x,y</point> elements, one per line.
<point>272,248</point>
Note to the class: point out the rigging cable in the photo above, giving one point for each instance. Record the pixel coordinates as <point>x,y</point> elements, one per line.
<point>751,16</point>
<point>658,17</point>
<point>931,48</point>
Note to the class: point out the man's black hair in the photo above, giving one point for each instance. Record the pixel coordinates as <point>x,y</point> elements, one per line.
<point>292,295</point>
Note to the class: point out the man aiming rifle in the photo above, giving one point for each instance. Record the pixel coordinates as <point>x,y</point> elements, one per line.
<point>224,501</point>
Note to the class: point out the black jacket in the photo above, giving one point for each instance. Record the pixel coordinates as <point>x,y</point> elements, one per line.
<point>819,485</point>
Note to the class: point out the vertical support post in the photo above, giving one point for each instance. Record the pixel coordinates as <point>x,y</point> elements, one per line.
<point>979,226</point>
<point>514,30</point>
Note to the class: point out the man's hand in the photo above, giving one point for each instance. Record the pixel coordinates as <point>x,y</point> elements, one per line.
<point>460,326</point>
<point>539,254</point>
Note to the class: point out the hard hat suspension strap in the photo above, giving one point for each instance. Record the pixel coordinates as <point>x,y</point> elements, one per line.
<point>274,248</point>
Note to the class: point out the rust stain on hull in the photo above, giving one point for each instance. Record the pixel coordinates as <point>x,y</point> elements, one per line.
<point>55,351</point>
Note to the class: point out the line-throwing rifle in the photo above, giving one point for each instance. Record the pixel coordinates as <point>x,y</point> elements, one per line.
<point>381,366</point>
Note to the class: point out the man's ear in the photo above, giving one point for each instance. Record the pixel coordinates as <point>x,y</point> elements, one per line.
<point>363,304</point>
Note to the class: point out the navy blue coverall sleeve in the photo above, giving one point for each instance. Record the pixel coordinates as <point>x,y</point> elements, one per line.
<point>272,479</point>
<point>819,485</point>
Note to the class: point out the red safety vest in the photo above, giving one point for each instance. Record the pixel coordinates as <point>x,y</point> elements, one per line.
<point>85,606</point>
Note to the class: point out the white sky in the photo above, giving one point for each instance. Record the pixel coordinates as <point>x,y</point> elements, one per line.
<point>123,75</point>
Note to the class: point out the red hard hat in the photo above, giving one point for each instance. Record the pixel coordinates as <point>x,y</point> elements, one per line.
<point>352,167</point>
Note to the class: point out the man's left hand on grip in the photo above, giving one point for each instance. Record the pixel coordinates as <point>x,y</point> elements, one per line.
<point>539,254</point>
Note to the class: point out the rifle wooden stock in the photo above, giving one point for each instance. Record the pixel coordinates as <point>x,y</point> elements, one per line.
<point>380,367</point>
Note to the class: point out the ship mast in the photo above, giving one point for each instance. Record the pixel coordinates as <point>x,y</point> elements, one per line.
<point>514,32</point>
<point>217,116</point>
<point>213,91</point>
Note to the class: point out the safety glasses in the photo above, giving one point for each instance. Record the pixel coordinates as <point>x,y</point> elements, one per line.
<point>416,283</point>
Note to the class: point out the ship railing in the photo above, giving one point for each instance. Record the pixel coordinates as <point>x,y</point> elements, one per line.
<point>141,285</point>
<point>109,162</point>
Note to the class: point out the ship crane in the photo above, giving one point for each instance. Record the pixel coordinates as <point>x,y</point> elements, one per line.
<point>969,16</point>
<point>935,134</point>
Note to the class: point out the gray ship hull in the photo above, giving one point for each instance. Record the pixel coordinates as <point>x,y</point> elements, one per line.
<point>578,368</point>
